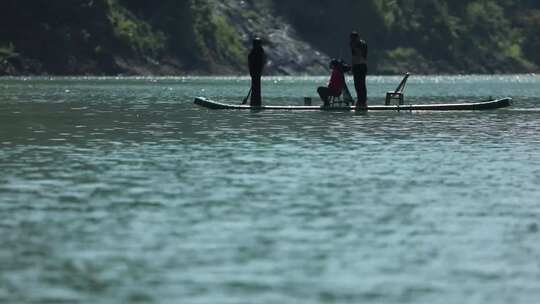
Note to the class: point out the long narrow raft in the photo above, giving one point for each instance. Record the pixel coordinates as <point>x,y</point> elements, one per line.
<point>484,105</point>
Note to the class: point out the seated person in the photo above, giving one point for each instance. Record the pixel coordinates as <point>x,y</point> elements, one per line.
<point>335,85</point>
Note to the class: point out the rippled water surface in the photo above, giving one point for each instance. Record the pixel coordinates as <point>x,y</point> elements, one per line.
<point>120,190</point>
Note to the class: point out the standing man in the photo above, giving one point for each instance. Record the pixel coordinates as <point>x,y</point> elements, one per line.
<point>359,51</point>
<point>256,61</point>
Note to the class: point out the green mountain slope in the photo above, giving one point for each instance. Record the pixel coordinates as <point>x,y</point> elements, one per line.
<point>109,37</point>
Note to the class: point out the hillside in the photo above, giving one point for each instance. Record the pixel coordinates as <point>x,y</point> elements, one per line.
<point>176,37</point>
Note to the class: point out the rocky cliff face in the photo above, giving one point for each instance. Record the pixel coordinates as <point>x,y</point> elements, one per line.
<point>288,53</point>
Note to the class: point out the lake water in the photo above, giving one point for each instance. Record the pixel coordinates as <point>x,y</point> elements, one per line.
<point>120,190</point>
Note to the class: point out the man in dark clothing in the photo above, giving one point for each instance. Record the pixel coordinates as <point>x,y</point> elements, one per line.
<point>257,61</point>
<point>359,51</point>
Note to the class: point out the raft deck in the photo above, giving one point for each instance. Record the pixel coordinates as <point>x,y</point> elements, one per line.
<point>468,106</point>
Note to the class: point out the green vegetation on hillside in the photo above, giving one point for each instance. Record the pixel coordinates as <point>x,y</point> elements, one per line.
<point>194,31</point>
<point>202,36</point>
<point>449,36</point>
<point>134,32</point>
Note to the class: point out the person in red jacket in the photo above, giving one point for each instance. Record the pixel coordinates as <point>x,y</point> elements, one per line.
<point>335,85</point>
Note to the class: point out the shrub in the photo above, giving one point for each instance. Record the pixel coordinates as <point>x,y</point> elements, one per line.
<point>134,32</point>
